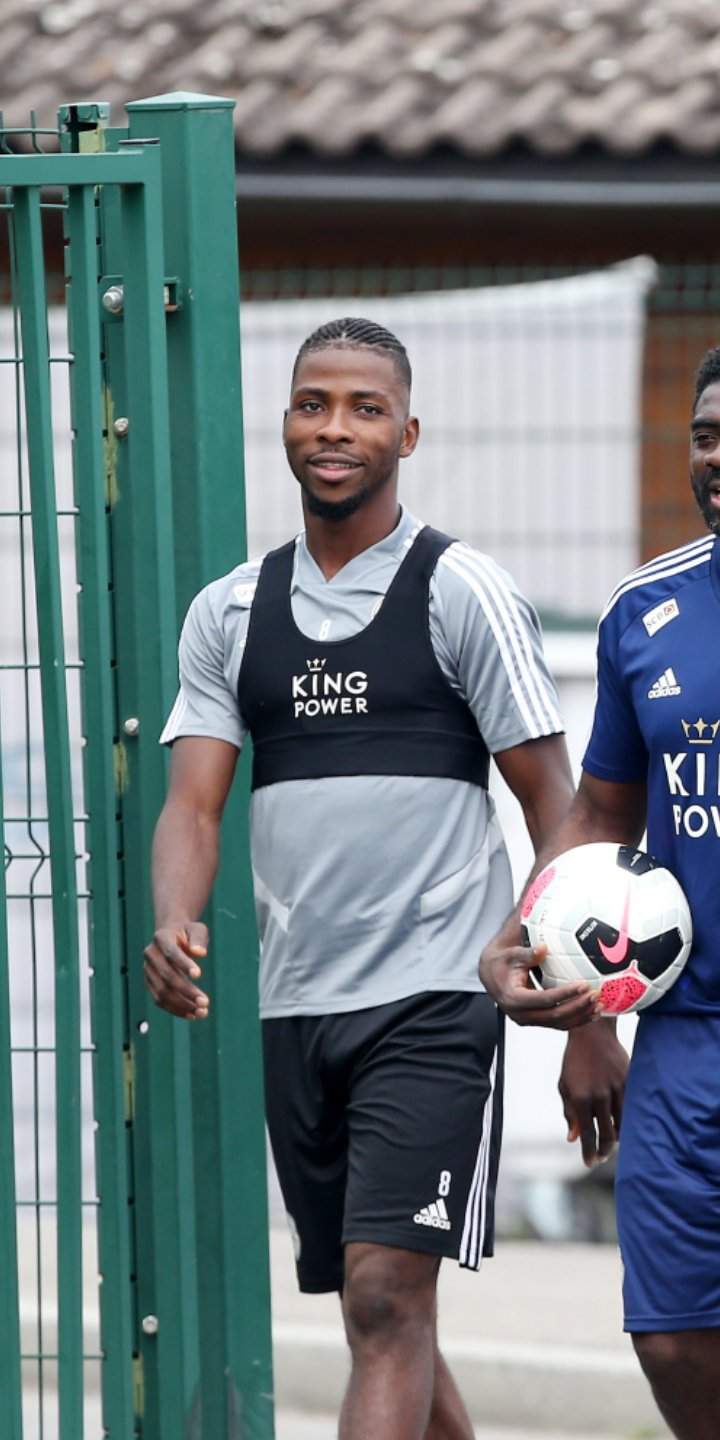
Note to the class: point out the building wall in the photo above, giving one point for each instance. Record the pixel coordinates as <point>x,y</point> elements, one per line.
<point>674,346</point>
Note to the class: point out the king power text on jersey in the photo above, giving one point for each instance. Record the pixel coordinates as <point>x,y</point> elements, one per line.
<point>322,692</point>
<point>693,776</point>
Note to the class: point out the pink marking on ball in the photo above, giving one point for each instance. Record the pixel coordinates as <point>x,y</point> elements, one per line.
<point>539,884</point>
<point>622,992</point>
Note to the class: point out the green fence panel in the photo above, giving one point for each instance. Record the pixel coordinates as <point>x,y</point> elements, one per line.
<point>10,1375</point>
<point>142,537</point>
<point>179,1144</point>
<point>206,440</point>
<point>33,310</point>
<point>107,987</point>
<point>26,890</point>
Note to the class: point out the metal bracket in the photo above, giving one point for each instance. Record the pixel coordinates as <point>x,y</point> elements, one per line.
<point>112,296</point>
<point>129,1085</point>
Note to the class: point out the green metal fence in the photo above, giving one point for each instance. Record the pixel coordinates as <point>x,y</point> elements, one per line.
<point>126,413</point>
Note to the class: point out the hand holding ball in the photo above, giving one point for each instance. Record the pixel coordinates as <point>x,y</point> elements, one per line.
<point>611,915</point>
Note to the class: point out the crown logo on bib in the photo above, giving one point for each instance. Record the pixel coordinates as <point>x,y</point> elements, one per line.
<point>700,732</point>
<point>314,666</point>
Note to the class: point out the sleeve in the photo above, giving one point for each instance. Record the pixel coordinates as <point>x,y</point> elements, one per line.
<point>616,749</point>
<point>205,704</point>
<point>487,639</point>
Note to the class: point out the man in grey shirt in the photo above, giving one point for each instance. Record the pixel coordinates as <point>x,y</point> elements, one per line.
<point>377,665</point>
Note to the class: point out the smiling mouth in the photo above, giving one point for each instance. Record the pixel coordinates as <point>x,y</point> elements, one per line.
<point>333,469</point>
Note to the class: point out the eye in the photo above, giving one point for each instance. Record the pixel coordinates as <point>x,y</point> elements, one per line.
<point>311,406</point>
<point>368,409</point>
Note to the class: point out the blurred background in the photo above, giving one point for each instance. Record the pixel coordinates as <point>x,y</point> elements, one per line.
<point>526,191</point>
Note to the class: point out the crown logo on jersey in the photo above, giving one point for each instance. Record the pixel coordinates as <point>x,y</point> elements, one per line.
<point>315,666</point>
<point>700,732</point>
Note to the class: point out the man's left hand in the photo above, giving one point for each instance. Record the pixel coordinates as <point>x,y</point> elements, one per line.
<point>592,1084</point>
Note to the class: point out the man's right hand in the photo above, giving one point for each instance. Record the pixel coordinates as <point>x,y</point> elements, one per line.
<point>171,966</point>
<point>505,973</point>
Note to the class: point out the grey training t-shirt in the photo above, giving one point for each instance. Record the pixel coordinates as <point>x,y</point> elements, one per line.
<point>370,888</point>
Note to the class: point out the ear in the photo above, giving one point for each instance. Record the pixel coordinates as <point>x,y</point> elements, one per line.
<point>411,435</point>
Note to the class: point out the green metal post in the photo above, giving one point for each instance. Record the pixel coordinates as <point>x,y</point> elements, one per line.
<point>10,1382</point>
<point>132,844</point>
<point>196,139</point>
<point>142,537</point>
<point>107,988</point>
<point>33,310</point>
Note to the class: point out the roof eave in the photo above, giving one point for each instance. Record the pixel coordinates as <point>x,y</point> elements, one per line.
<point>350,188</point>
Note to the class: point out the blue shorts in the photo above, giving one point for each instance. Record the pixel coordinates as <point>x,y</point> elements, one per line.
<point>668,1177</point>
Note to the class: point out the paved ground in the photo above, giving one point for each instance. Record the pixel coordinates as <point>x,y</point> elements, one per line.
<point>290,1425</point>
<point>535,1341</point>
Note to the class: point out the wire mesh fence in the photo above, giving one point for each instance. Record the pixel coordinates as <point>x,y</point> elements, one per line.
<point>124,1332</point>
<point>37,1003</point>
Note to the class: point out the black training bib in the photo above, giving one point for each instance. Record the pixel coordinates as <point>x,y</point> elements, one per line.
<point>374,704</point>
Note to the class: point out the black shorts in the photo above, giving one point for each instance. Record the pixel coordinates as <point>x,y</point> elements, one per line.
<point>385,1128</point>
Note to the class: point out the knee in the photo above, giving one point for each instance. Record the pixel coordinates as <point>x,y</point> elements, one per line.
<point>371,1312</point>
<point>381,1303</point>
<point>663,1357</point>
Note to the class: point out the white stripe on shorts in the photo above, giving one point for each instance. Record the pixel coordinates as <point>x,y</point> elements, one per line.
<point>473,1238</point>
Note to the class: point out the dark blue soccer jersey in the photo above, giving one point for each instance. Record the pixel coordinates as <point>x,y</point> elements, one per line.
<point>657,718</point>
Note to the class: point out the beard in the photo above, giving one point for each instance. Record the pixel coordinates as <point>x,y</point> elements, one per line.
<point>339,510</point>
<point>709,512</point>
<point>334,509</point>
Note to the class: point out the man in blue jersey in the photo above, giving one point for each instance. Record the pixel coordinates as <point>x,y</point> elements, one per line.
<point>654,758</point>
<point>377,666</point>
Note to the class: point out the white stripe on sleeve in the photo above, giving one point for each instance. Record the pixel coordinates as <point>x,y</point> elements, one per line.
<point>500,608</point>
<point>674,563</point>
<point>174,720</point>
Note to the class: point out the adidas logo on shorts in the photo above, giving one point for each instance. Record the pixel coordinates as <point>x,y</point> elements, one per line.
<point>435,1215</point>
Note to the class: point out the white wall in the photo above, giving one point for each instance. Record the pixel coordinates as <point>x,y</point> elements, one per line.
<point>534,1125</point>
<point>529,404</point>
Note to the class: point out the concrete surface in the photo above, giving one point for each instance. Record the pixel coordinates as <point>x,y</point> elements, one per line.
<point>534,1340</point>
<point>292,1425</point>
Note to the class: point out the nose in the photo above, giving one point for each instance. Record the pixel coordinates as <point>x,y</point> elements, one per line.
<point>336,426</point>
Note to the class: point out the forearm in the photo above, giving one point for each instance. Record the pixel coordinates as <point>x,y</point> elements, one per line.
<point>546,827</point>
<point>588,821</point>
<point>185,855</point>
<point>571,820</point>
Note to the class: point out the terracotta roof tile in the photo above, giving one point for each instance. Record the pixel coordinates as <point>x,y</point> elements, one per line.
<point>402,75</point>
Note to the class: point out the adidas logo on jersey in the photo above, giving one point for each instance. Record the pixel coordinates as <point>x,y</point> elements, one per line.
<point>435,1215</point>
<point>665,685</point>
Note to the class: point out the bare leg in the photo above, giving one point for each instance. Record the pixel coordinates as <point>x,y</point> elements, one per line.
<point>449,1419</point>
<point>389,1312</point>
<point>683,1369</point>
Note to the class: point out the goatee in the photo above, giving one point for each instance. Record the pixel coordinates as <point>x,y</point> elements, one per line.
<point>334,509</point>
<point>707,509</point>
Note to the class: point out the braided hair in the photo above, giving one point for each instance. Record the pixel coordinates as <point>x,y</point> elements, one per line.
<point>358,334</point>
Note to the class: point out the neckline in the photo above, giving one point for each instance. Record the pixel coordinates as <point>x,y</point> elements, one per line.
<point>374,619</point>
<point>393,541</point>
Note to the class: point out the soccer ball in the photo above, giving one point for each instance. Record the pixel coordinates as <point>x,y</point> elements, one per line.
<point>614,916</point>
